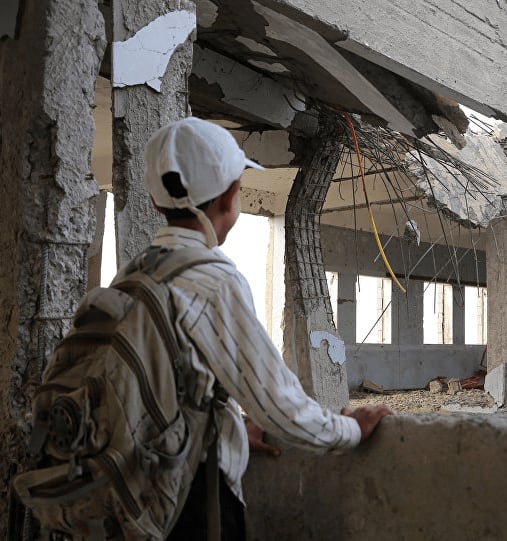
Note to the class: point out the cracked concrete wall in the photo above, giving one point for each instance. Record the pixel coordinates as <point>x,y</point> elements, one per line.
<point>139,109</point>
<point>47,80</point>
<point>419,478</point>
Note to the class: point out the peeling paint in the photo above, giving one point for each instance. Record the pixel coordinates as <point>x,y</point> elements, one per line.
<point>144,57</point>
<point>335,346</point>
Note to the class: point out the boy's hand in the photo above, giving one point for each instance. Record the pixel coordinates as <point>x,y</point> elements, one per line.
<point>368,417</point>
<point>256,441</point>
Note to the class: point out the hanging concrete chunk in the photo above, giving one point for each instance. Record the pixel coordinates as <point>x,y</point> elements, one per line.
<point>473,199</point>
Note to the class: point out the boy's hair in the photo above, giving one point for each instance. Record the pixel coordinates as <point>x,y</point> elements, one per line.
<point>172,183</point>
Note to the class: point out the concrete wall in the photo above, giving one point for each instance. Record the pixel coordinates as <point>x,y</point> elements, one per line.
<point>406,363</point>
<point>409,367</point>
<point>420,478</point>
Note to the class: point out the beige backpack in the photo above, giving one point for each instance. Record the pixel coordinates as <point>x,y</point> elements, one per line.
<point>117,438</point>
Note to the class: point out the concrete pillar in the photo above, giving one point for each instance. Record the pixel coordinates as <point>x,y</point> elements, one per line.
<point>458,314</point>
<point>310,336</point>
<point>149,90</point>
<point>47,79</point>
<point>407,314</point>
<point>496,261</point>
<point>347,307</point>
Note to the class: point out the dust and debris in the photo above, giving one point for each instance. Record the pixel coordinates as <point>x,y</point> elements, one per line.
<point>424,401</point>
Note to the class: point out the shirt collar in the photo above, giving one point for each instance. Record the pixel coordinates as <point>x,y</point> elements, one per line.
<point>179,237</point>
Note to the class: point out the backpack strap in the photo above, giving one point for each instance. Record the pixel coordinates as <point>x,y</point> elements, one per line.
<point>181,260</point>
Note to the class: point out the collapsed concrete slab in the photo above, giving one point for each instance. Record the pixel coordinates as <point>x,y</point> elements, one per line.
<point>471,195</point>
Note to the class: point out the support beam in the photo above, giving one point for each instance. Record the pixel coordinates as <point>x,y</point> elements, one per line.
<point>496,260</point>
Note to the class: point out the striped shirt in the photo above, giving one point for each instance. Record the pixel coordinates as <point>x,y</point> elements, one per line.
<point>215,316</point>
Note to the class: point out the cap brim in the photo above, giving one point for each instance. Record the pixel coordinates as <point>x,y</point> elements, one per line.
<point>253,165</point>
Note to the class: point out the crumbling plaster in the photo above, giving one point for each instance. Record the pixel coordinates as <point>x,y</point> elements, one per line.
<point>48,195</point>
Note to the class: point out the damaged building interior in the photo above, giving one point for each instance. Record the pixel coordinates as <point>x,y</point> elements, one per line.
<point>373,172</point>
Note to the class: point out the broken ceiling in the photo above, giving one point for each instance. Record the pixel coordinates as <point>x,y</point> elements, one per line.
<point>337,54</point>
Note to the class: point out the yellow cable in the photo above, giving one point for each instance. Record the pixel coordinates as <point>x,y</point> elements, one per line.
<point>368,206</point>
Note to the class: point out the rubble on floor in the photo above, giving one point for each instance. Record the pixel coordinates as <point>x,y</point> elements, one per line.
<point>423,401</point>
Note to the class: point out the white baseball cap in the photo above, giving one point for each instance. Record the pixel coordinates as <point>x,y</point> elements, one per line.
<point>205,155</point>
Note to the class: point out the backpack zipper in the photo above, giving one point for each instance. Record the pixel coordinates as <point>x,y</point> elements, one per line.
<point>129,354</point>
<point>109,464</point>
<point>137,289</point>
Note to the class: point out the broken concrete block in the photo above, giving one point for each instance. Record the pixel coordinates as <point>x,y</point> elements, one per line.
<point>454,386</point>
<point>371,386</point>
<point>436,386</point>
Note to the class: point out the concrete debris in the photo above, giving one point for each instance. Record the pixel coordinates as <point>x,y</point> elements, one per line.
<point>441,384</point>
<point>436,386</point>
<point>371,386</point>
<point>454,386</point>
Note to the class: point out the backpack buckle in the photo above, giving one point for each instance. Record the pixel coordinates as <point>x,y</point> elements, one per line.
<point>220,397</point>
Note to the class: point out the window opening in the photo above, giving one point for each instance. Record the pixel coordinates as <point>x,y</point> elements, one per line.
<point>476,321</point>
<point>373,310</point>
<point>332,286</point>
<point>437,313</point>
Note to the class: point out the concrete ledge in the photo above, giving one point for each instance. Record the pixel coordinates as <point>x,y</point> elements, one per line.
<point>427,477</point>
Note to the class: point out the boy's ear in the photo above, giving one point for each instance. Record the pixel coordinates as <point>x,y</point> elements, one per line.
<point>227,198</point>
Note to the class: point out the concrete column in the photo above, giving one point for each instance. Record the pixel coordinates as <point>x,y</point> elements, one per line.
<point>407,314</point>
<point>149,90</point>
<point>47,78</point>
<point>313,346</point>
<point>347,307</point>
<point>496,261</point>
<point>458,314</point>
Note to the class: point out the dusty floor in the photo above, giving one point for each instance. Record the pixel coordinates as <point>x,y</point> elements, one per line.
<point>422,401</point>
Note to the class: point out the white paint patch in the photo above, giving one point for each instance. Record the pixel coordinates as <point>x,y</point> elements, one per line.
<point>335,346</point>
<point>255,46</point>
<point>144,57</point>
<point>267,66</point>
